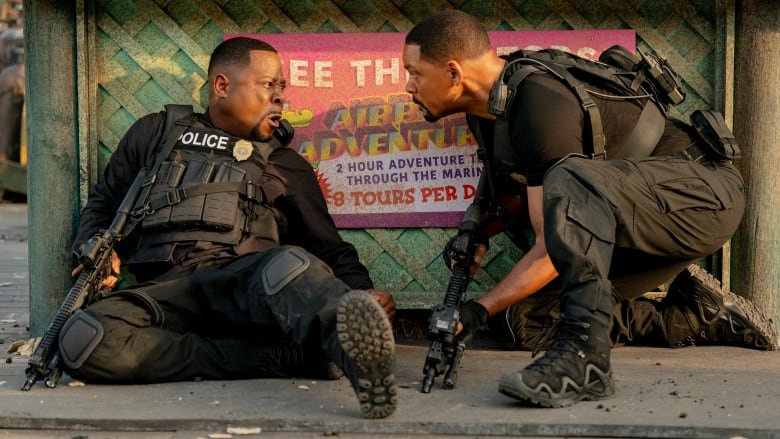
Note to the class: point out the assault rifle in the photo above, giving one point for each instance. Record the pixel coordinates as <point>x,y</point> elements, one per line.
<point>95,259</point>
<point>445,352</point>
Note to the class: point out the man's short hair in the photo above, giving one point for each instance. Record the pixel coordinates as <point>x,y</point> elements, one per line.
<point>235,51</point>
<point>447,34</point>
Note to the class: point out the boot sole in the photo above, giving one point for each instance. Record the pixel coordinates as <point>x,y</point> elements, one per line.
<point>753,328</point>
<point>512,385</point>
<point>367,338</point>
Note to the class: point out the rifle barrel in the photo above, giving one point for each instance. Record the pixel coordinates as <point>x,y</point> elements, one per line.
<point>96,253</point>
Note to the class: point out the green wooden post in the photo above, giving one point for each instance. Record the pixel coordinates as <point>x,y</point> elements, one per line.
<point>52,169</point>
<point>757,100</point>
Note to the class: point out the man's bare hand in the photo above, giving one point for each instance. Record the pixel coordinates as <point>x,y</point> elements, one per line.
<point>110,279</point>
<point>386,300</point>
<point>479,255</point>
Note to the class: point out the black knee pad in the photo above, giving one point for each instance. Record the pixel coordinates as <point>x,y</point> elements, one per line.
<point>78,338</point>
<point>283,267</point>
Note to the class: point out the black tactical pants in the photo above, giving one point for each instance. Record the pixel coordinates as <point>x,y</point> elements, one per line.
<point>651,217</point>
<point>209,323</point>
<point>635,322</point>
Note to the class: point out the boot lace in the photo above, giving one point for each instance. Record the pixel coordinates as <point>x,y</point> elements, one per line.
<point>568,334</point>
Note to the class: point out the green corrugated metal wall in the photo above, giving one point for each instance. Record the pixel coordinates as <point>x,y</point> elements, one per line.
<point>148,53</point>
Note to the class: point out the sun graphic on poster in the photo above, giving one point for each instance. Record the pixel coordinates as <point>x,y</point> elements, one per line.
<point>323,182</point>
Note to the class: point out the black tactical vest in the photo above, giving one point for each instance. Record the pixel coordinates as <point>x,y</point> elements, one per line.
<point>210,188</point>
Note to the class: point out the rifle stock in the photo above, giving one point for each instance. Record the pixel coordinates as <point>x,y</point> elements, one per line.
<point>95,258</point>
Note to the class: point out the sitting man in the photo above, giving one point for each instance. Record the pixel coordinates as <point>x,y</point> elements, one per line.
<point>240,270</point>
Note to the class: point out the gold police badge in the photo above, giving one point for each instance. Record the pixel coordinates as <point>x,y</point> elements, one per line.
<point>242,150</point>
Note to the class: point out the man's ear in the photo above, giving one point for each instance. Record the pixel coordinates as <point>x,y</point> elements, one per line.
<point>220,85</point>
<point>455,71</point>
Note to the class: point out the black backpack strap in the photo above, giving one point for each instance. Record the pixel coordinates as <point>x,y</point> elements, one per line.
<point>598,139</point>
<point>485,185</point>
<point>646,133</point>
<point>624,78</point>
<point>502,150</point>
<point>520,68</point>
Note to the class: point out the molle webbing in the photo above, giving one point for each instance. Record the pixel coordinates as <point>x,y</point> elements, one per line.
<point>175,196</point>
<point>210,187</point>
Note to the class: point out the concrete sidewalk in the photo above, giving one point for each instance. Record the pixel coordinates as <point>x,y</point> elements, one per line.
<point>700,392</point>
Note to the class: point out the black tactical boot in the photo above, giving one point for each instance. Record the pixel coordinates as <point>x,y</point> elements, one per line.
<point>698,312</point>
<point>366,338</point>
<point>575,368</point>
<point>294,361</point>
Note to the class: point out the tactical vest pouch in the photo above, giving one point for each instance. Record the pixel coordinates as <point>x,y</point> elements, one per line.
<point>169,177</point>
<point>215,211</point>
<point>668,84</point>
<point>206,190</point>
<point>664,81</point>
<point>717,138</point>
<point>221,208</point>
<point>212,211</point>
<point>188,212</point>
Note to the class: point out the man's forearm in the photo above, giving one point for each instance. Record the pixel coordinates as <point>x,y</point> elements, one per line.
<point>532,272</point>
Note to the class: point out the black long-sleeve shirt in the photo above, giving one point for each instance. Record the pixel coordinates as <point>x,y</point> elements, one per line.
<point>305,219</point>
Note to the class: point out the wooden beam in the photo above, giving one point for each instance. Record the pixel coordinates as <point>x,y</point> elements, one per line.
<point>756,260</point>
<point>52,140</point>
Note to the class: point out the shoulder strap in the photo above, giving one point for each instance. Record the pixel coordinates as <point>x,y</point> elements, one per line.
<point>485,187</point>
<point>598,140</point>
<point>646,133</point>
<point>177,119</point>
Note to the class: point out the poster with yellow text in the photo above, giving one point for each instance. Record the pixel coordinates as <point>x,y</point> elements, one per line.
<point>379,163</point>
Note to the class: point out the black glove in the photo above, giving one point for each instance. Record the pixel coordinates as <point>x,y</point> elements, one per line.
<point>473,316</point>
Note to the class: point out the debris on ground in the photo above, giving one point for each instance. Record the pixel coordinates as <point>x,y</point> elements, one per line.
<point>23,347</point>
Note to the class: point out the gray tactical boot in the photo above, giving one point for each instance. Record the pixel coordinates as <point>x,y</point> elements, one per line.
<point>576,367</point>
<point>698,312</point>
<point>366,338</point>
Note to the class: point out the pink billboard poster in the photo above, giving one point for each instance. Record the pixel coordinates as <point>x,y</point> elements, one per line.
<point>379,163</point>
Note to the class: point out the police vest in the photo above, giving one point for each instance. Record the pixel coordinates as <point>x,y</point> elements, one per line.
<point>210,188</point>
